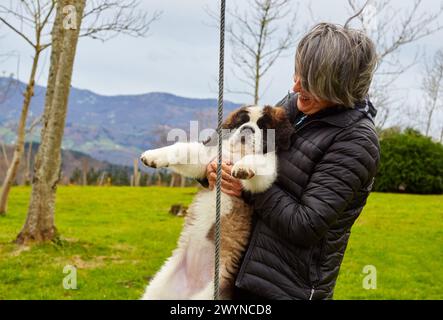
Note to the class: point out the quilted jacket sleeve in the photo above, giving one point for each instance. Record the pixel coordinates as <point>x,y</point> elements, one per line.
<point>349,164</point>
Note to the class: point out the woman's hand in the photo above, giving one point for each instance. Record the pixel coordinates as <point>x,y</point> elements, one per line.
<point>229,185</point>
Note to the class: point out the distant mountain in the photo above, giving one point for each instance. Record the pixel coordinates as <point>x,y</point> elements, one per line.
<point>111,128</point>
<point>71,161</point>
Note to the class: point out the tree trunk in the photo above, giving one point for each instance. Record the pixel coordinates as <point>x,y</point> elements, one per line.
<point>172,182</point>
<point>136,173</point>
<point>11,174</point>
<point>430,113</point>
<point>257,79</point>
<point>39,225</point>
<point>5,155</point>
<point>85,169</point>
<point>101,180</point>
<point>28,165</point>
<point>441,135</point>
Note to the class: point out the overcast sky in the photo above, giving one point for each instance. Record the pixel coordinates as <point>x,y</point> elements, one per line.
<point>181,54</point>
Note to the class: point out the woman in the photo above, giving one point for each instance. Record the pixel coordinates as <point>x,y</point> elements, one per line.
<point>302,223</point>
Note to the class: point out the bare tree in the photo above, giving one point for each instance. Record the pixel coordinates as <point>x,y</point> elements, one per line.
<point>37,16</point>
<point>393,29</point>
<point>39,225</point>
<point>104,19</point>
<point>85,169</point>
<point>4,90</point>
<point>136,175</point>
<point>257,43</point>
<point>433,88</point>
<point>5,155</point>
<point>28,157</point>
<point>101,179</point>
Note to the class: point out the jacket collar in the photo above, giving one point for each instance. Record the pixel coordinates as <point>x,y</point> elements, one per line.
<point>337,115</point>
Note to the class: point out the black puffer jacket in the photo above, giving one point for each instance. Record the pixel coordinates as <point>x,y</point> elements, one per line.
<point>303,222</point>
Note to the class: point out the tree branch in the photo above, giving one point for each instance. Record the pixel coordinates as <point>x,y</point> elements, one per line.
<point>126,20</point>
<point>21,34</point>
<point>357,14</point>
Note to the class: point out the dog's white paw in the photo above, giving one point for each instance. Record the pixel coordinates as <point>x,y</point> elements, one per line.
<point>155,158</point>
<point>242,171</point>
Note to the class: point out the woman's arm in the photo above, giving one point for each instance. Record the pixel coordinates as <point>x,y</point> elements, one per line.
<point>350,164</point>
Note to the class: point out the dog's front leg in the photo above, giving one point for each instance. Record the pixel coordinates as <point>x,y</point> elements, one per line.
<point>187,159</point>
<point>257,172</point>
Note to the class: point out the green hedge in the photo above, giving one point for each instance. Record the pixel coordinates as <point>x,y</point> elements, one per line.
<point>410,163</point>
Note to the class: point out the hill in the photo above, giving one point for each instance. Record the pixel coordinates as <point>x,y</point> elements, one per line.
<point>109,128</point>
<point>71,161</point>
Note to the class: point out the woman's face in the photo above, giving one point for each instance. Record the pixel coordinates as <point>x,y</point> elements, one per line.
<point>306,102</point>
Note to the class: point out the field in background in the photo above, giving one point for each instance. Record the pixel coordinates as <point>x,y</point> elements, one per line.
<point>119,236</point>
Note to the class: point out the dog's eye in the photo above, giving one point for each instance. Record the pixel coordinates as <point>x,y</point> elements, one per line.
<point>241,119</point>
<point>244,117</point>
<point>265,122</point>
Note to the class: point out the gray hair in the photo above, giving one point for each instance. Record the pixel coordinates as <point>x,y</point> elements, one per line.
<point>336,64</point>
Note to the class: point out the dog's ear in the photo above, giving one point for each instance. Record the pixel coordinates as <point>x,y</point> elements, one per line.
<point>229,121</point>
<point>283,129</point>
<point>236,118</point>
<point>277,119</point>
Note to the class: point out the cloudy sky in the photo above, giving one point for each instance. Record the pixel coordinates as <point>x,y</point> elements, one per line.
<point>180,55</point>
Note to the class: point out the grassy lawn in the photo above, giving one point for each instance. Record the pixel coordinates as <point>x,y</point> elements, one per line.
<point>118,237</point>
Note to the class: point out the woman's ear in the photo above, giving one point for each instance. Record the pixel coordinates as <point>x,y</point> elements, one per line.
<point>283,129</point>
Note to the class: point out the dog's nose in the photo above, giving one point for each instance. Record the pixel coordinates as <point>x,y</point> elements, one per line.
<point>142,159</point>
<point>247,130</point>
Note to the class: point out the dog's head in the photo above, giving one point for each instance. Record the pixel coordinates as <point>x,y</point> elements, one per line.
<point>259,129</point>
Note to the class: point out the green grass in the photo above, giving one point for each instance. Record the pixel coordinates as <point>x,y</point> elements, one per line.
<point>118,237</point>
<point>402,237</point>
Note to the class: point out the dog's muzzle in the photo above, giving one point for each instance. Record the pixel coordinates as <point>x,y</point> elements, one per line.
<point>247,134</point>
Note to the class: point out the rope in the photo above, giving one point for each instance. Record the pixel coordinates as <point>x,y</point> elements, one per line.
<point>219,131</point>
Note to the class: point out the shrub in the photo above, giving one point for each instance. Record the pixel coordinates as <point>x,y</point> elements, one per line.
<point>410,162</point>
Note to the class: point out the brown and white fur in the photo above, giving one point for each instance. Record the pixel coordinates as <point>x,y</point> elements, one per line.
<point>188,273</point>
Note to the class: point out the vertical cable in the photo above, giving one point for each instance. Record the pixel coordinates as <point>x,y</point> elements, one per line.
<point>219,162</point>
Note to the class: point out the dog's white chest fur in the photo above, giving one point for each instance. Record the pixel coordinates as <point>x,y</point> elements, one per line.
<point>205,206</point>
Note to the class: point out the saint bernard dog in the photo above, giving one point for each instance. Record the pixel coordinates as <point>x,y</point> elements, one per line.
<point>251,137</point>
